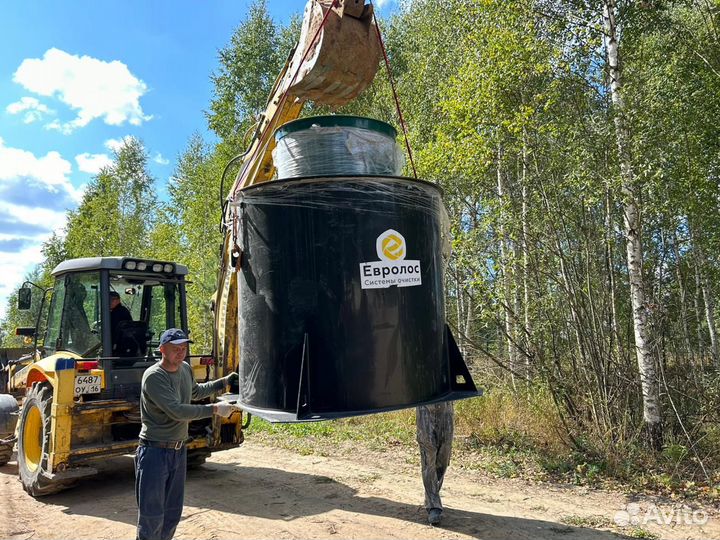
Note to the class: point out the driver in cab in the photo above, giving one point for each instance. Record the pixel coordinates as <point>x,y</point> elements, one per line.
<point>118,314</point>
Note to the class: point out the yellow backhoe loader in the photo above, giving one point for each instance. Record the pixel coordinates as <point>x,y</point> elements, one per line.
<point>79,389</point>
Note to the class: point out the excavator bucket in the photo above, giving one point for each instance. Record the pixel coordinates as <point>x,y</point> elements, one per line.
<point>342,59</point>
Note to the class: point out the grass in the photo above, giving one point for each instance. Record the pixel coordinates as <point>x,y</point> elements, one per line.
<point>641,533</point>
<point>379,433</point>
<point>593,522</point>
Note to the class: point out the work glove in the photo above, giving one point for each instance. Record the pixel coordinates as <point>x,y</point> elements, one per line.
<point>231,379</point>
<point>224,409</point>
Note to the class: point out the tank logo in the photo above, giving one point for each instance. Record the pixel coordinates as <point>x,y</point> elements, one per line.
<point>391,246</point>
<point>392,269</point>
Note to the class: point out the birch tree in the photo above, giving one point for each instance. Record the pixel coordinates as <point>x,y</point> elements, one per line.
<point>633,231</point>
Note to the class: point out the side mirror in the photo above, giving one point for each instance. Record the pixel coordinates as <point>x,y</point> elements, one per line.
<point>24,298</point>
<point>27,331</point>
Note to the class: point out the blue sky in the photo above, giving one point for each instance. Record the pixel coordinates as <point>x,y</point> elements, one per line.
<point>76,77</point>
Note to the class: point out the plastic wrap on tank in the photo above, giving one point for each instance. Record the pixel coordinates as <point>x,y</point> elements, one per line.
<point>337,145</point>
<point>341,302</point>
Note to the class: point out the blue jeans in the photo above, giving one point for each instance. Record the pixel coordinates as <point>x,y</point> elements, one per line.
<point>159,490</point>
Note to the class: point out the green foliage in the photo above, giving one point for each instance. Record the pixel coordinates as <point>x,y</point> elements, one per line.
<point>188,231</point>
<point>15,318</point>
<point>117,212</point>
<point>247,71</point>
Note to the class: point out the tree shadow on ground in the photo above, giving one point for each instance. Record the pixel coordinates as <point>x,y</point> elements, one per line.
<point>276,494</point>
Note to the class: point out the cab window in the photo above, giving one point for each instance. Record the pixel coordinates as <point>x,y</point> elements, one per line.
<point>164,308</point>
<point>81,325</point>
<point>53,339</point>
<point>153,304</point>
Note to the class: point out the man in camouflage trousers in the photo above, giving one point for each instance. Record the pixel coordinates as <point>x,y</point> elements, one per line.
<point>435,425</point>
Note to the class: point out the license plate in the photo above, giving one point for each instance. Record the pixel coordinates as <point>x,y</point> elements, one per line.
<point>87,384</point>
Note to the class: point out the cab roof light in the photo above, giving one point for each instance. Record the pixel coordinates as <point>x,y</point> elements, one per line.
<point>142,266</point>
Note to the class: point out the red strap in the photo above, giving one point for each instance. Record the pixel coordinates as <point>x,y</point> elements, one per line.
<point>395,95</point>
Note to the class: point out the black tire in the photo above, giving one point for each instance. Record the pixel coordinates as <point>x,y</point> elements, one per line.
<point>32,456</point>
<point>3,379</point>
<point>5,453</point>
<point>196,458</point>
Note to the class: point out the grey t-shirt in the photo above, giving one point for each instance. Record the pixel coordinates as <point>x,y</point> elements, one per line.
<point>165,409</point>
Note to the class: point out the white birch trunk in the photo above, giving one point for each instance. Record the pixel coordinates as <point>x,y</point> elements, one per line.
<point>708,299</point>
<point>459,311</point>
<point>710,318</point>
<point>698,313</point>
<point>683,295</point>
<point>505,268</point>
<point>646,364</point>
<point>610,266</point>
<point>526,264</point>
<point>468,322</point>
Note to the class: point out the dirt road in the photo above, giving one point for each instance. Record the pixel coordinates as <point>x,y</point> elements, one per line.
<point>258,491</point>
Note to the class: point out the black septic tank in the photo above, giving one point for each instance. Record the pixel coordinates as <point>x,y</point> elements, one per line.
<point>341,303</point>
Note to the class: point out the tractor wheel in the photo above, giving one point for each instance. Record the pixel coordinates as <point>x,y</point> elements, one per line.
<point>5,453</point>
<point>34,442</point>
<point>195,458</point>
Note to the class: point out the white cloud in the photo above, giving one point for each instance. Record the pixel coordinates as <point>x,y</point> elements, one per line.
<point>50,170</point>
<point>34,110</point>
<point>95,88</point>
<point>50,219</point>
<point>382,3</point>
<point>159,159</point>
<point>92,163</point>
<point>25,104</point>
<point>35,194</point>
<point>14,267</point>
<point>114,145</point>
<point>55,125</point>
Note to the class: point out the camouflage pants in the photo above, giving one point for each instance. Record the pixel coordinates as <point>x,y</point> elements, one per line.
<point>434,436</point>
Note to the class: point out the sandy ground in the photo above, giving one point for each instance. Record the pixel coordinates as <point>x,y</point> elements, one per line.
<point>258,491</point>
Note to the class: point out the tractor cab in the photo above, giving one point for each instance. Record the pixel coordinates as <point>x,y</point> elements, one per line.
<point>111,310</point>
<point>80,389</point>
<point>83,318</point>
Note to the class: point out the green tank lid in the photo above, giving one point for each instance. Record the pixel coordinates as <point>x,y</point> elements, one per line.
<point>336,120</point>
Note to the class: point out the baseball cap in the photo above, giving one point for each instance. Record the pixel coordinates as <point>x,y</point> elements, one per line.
<point>114,294</point>
<point>174,336</point>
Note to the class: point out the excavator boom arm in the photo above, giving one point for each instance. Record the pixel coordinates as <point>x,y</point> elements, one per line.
<point>335,59</point>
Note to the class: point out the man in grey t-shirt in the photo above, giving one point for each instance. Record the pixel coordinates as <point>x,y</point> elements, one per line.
<point>165,412</point>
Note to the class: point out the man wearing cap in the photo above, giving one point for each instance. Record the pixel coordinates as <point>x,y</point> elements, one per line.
<point>165,412</point>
